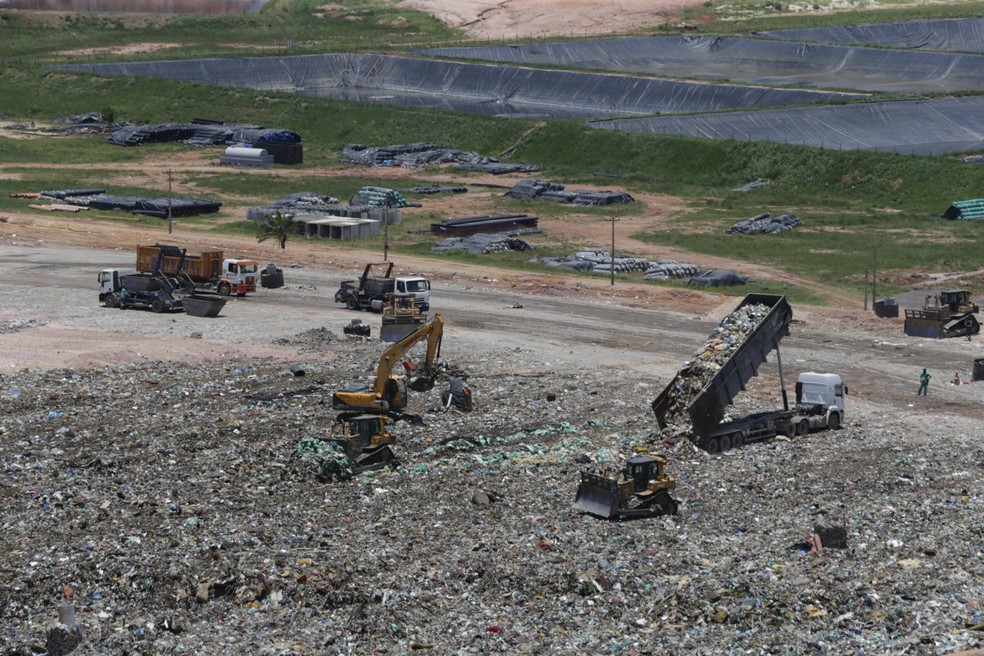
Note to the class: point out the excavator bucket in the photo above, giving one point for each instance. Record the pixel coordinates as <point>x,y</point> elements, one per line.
<point>597,495</point>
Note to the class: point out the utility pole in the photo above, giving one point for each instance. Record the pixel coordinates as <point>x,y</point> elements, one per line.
<point>170,178</point>
<point>874,274</point>
<point>613,220</point>
<point>386,224</point>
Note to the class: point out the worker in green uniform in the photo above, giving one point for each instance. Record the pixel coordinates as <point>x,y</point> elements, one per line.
<point>923,383</point>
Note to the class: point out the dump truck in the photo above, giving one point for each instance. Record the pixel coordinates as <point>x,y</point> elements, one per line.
<point>704,388</point>
<point>209,271</point>
<point>951,313</point>
<point>372,290</point>
<point>125,288</point>
<point>642,489</point>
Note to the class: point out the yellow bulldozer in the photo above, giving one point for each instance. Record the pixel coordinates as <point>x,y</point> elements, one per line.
<point>642,489</point>
<point>950,313</point>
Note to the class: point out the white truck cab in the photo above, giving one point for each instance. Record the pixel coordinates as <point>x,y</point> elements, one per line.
<point>822,390</point>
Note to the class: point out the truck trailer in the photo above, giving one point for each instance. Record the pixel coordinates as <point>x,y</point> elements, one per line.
<point>209,271</point>
<point>705,387</point>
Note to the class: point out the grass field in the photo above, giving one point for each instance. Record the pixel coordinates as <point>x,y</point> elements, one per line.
<point>850,202</point>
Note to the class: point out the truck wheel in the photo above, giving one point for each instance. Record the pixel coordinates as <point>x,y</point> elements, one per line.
<point>737,440</point>
<point>224,288</point>
<point>833,421</point>
<point>712,446</point>
<point>725,441</point>
<point>111,300</point>
<point>802,428</point>
<point>352,303</point>
<point>157,305</point>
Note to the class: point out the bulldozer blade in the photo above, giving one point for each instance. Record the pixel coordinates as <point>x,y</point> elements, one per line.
<point>375,459</point>
<point>394,329</point>
<point>597,495</point>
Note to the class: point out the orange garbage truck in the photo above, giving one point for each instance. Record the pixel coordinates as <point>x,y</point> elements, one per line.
<point>208,271</point>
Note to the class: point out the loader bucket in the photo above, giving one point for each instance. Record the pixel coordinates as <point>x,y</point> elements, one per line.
<point>597,495</point>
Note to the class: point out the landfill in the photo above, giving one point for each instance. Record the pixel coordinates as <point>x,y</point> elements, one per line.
<point>159,508</point>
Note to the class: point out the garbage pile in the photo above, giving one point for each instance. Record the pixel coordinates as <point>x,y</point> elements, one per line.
<point>670,270</point>
<point>176,509</point>
<point>765,224</point>
<point>409,156</point>
<point>531,188</point>
<point>695,374</point>
<point>481,243</point>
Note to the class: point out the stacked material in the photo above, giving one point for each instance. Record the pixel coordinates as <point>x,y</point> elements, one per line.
<point>409,156</point>
<point>723,342</point>
<point>765,224</point>
<point>158,207</point>
<point>481,244</point>
<point>379,197</point>
<point>533,188</point>
<point>670,270</point>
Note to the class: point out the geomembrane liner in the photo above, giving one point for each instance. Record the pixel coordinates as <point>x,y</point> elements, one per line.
<point>953,35</point>
<point>751,61</point>
<point>470,88</point>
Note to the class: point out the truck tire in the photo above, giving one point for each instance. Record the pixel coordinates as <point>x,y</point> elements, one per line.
<point>157,305</point>
<point>111,300</point>
<point>352,303</point>
<point>725,443</point>
<point>224,288</point>
<point>737,440</point>
<point>711,445</point>
<point>802,428</point>
<point>833,421</point>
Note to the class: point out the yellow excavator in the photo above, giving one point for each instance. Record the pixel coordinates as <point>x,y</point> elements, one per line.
<point>388,393</point>
<point>365,412</point>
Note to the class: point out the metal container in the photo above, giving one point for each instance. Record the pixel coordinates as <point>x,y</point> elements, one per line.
<point>203,307</point>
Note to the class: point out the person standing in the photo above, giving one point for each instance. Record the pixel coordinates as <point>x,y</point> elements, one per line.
<point>923,383</point>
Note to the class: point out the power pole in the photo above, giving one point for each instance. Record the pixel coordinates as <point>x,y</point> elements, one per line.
<point>613,220</point>
<point>386,233</point>
<point>170,178</point>
<point>874,274</point>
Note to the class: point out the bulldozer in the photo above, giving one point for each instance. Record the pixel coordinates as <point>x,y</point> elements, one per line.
<point>947,314</point>
<point>642,489</point>
<point>401,317</point>
<point>365,441</point>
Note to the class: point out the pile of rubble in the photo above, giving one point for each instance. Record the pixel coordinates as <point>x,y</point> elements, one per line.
<point>166,508</point>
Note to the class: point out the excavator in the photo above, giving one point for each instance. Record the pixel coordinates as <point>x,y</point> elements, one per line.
<point>364,411</point>
<point>388,393</point>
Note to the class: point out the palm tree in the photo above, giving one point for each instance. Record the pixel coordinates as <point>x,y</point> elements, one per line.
<point>279,226</point>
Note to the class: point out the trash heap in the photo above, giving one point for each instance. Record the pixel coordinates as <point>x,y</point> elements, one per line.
<point>765,224</point>
<point>694,376</point>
